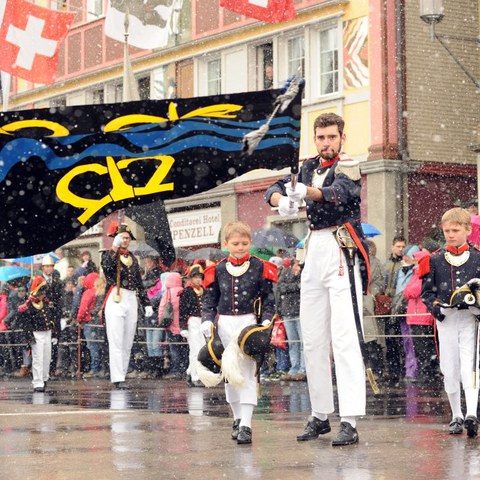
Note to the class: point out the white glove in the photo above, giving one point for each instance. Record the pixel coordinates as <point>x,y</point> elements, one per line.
<point>118,240</point>
<point>148,311</point>
<point>446,311</point>
<point>184,333</point>
<point>265,323</point>
<point>298,194</point>
<point>54,341</point>
<point>284,208</point>
<point>474,310</point>
<point>206,328</point>
<point>474,281</point>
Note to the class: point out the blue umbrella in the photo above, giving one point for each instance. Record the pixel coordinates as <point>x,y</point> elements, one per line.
<point>11,272</point>
<point>370,230</point>
<point>33,258</point>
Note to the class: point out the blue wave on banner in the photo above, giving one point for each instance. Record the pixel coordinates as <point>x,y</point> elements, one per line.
<point>153,139</point>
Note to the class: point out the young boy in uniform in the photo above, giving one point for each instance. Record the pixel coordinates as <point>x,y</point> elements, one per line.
<point>443,273</point>
<point>38,324</point>
<point>233,289</point>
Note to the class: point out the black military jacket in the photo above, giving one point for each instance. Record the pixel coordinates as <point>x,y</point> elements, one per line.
<point>36,320</point>
<point>341,195</point>
<point>130,277</point>
<point>229,295</point>
<point>442,279</point>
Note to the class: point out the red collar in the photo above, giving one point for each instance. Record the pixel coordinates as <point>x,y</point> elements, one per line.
<point>328,163</point>
<point>457,250</point>
<point>238,261</point>
<point>122,251</point>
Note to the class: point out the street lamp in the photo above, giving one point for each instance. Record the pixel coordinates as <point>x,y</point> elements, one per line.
<point>431,12</point>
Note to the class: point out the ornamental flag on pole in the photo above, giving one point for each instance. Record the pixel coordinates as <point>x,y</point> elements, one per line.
<point>273,11</point>
<point>150,22</point>
<point>64,170</point>
<point>30,39</point>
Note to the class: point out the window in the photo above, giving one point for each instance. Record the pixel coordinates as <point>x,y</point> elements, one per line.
<point>58,102</point>
<point>94,9</point>
<point>264,66</point>
<point>296,56</point>
<point>118,92</point>
<point>144,88</point>
<point>98,97</point>
<point>328,57</point>
<point>214,77</point>
<point>159,83</point>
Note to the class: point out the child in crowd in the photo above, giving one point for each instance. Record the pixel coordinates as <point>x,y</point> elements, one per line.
<point>444,272</point>
<point>191,319</point>
<point>37,322</point>
<point>233,288</point>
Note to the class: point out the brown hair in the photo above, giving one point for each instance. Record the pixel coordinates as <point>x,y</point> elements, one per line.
<point>237,227</point>
<point>327,119</point>
<point>457,215</point>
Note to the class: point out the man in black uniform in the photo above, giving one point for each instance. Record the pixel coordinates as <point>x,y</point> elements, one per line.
<point>330,186</point>
<point>124,285</point>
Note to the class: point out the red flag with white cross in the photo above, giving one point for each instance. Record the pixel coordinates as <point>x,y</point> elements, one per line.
<point>30,39</point>
<point>267,10</point>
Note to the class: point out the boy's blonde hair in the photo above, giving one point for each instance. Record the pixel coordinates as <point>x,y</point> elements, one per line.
<point>100,285</point>
<point>457,215</point>
<point>239,228</point>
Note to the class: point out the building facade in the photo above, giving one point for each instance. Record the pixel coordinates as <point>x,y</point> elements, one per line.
<point>410,113</point>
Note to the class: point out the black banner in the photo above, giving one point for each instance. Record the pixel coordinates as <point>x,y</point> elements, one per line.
<point>62,170</point>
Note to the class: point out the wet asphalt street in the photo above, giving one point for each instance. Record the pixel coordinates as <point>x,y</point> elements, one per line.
<point>159,429</point>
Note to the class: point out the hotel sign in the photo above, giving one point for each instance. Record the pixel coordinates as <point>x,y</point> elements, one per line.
<point>195,227</point>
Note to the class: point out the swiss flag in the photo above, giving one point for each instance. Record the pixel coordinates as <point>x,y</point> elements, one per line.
<point>266,10</point>
<point>30,38</point>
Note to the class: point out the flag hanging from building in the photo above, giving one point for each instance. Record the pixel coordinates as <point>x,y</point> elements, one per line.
<point>267,10</point>
<point>64,170</point>
<point>30,39</point>
<point>151,22</point>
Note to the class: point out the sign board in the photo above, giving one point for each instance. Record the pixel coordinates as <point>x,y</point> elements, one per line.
<point>195,227</point>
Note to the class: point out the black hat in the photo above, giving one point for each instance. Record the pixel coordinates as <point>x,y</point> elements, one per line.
<point>209,361</point>
<point>114,229</point>
<point>463,297</point>
<point>254,342</point>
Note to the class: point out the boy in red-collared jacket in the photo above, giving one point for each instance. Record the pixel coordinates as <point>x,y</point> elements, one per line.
<point>443,273</point>
<point>232,288</point>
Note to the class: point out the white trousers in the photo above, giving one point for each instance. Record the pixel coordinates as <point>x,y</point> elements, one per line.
<point>41,357</point>
<point>327,321</point>
<point>456,335</point>
<point>229,327</point>
<point>196,341</point>
<point>121,323</point>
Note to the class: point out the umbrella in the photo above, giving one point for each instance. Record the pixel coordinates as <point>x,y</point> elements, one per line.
<point>207,253</point>
<point>370,230</point>
<point>143,250</point>
<point>265,253</point>
<point>273,237</point>
<point>181,252</point>
<point>11,272</point>
<point>33,258</point>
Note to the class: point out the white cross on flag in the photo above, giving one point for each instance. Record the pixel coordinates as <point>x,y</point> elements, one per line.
<point>30,39</point>
<point>266,10</point>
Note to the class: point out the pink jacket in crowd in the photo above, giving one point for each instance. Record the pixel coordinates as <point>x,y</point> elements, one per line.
<point>412,294</point>
<point>173,291</point>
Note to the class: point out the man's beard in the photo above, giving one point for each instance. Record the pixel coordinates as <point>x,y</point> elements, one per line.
<point>329,153</point>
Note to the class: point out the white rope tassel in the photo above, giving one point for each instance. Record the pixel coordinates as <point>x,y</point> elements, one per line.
<point>207,377</point>
<point>231,364</point>
<point>252,139</point>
